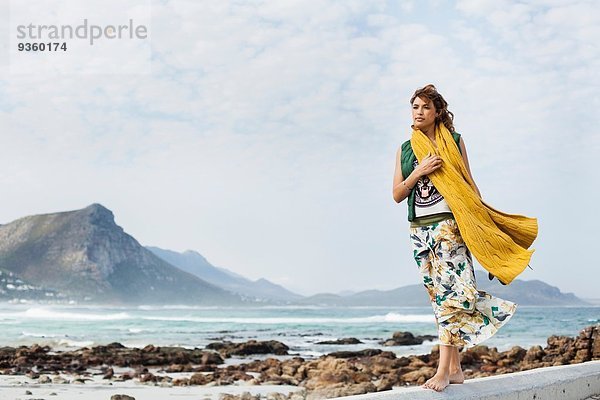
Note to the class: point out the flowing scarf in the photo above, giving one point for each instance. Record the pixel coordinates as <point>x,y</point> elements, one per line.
<point>498,240</point>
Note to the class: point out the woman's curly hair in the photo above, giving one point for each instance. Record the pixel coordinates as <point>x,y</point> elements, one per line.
<point>429,92</point>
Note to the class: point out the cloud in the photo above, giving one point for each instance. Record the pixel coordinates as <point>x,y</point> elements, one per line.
<point>265,136</point>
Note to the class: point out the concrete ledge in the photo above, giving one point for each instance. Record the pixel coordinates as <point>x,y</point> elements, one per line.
<point>572,382</point>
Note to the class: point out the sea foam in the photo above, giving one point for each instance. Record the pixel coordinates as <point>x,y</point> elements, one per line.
<point>49,314</point>
<point>389,317</point>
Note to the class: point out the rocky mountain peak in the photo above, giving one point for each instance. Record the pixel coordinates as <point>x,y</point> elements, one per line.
<point>99,212</point>
<point>85,252</point>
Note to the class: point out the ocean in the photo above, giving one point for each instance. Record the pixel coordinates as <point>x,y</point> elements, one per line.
<point>73,326</point>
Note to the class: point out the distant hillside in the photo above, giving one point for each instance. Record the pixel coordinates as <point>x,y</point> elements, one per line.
<point>593,301</point>
<point>83,253</point>
<point>195,263</point>
<point>531,293</point>
<point>15,288</point>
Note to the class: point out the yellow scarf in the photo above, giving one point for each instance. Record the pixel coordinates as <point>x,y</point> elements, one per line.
<point>498,240</point>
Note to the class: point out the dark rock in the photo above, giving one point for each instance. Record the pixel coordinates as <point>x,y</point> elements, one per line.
<point>209,357</point>
<point>596,345</point>
<point>341,341</point>
<point>179,368</point>
<point>126,376</point>
<point>359,353</point>
<point>150,349</point>
<point>516,354</point>
<point>341,391</point>
<point>242,396</point>
<point>406,339</point>
<point>387,383</point>
<point>227,348</point>
<point>201,379</point>
<point>418,376</point>
<point>535,353</point>
<point>121,397</point>
<point>181,382</point>
<point>148,377</point>
<point>109,374</point>
<point>488,368</point>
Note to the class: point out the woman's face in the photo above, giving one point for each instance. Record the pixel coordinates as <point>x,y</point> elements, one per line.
<point>423,114</point>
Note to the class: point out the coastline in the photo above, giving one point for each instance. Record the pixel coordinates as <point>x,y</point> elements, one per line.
<point>233,368</point>
<point>17,388</point>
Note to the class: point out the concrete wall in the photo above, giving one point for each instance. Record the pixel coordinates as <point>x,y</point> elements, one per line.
<point>572,382</point>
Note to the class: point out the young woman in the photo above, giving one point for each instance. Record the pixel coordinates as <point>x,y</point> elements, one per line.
<point>448,221</point>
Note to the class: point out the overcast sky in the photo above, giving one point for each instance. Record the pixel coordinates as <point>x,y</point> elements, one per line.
<point>264,134</point>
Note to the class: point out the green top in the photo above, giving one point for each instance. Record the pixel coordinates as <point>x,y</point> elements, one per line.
<point>430,219</point>
<point>407,158</point>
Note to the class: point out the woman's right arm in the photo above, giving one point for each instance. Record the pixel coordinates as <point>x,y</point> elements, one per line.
<point>401,187</point>
<point>400,191</point>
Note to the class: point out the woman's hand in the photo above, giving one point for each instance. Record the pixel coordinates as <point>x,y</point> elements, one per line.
<point>428,164</point>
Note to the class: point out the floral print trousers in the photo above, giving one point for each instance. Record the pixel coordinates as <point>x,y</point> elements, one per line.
<point>464,315</point>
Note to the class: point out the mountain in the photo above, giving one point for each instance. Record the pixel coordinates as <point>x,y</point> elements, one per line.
<point>85,254</point>
<point>594,301</point>
<point>530,293</point>
<point>194,263</point>
<point>407,296</point>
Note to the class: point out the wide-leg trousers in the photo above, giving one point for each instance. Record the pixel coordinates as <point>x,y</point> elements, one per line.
<point>464,315</point>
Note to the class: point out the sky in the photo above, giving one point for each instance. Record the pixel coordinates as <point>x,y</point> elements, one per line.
<point>263,134</point>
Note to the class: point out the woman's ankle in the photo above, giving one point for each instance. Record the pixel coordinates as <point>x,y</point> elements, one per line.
<point>455,369</point>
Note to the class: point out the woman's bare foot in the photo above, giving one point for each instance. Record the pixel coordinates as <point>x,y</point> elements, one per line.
<point>437,382</point>
<point>456,377</point>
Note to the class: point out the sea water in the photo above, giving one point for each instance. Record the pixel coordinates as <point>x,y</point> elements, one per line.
<point>73,326</point>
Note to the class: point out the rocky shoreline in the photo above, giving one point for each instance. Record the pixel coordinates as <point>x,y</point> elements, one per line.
<point>336,374</point>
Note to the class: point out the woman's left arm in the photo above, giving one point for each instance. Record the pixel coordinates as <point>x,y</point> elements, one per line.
<point>463,150</point>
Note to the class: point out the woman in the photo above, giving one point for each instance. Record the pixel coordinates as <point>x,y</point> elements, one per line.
<point>432,171</point>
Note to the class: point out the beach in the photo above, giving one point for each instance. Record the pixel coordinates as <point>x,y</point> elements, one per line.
<point>17,387</point>
<point>262,369</point>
